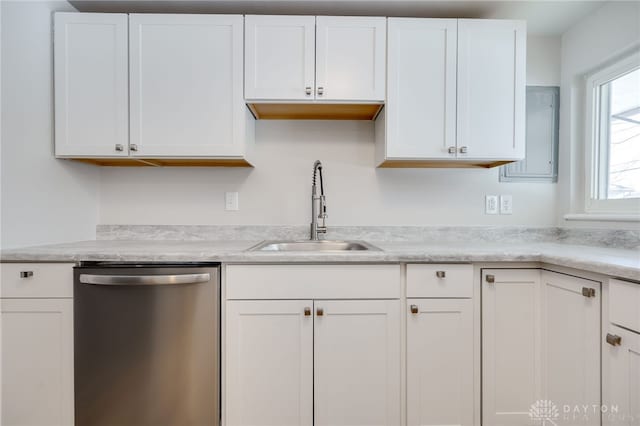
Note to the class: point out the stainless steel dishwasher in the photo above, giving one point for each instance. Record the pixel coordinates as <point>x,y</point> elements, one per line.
<point>147,344</point>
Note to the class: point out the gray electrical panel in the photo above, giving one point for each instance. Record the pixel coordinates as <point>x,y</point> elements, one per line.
<point>542,133</point>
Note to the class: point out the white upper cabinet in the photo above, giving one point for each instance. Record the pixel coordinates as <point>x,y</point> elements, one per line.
<point>491,89</point>
<point>350,58</point>
<point>324,58</point>
<point>421,88</point>
<point>91,84</point>
<point>455,92</point>
<point>279,57</point>
<point>186,85</point>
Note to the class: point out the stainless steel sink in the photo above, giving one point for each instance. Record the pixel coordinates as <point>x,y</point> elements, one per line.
<point>318,246</point>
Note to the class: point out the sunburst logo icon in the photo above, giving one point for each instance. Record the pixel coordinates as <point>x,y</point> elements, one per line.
<point>544,413</point>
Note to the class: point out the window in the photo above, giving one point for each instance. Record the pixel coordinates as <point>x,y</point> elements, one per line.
<point>613,97</point>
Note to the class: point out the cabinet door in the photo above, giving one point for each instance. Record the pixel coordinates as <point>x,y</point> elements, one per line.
<point>37,361</point>
<point>571,345</point>
<point>491,89</point>
<point>279,57</point>
<point>350,58</point>
<point>440,362</point>
<point>357,363</point>
<point>269,363</point>
<point>511,349</point>
<point>186,85</point>
<point>621,379</point>
<point>91,84</point>
<point>421,92</point>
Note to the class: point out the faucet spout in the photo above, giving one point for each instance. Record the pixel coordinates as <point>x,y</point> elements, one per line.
<point>318,204</point>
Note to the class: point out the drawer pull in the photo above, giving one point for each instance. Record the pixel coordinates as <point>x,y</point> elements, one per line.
<point>491,279</point>
<point>614,340</point>
<point>414,309</point>
<point>441,274</point>
<point>588,292</point>
<point>320,312</point>
<point>26,274</point>
<point>307,311</point>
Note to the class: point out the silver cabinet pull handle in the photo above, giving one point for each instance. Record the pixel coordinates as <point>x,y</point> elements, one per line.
<point>441,274</point>
<point>490,279</point>
<point>307,311</point>
<point>26,274</point>
<point>614,340</point>
<point>320,312</point>
<point>463,150</point>
<point>307,90</point>
<point>588,292</point>
<point>144,279</point>
<point>119,147</point>
<point>414,309</point>
<point>452,150</point>
<point>133,147</point>
<point>320,91</point>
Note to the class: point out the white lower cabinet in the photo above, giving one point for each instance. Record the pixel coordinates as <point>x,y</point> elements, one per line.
<point>621,378</point>
<point>269,363</point>
<point>289,359</point>
<point>511,345</point>
<point>37,345</point>
<point>357,362</point>
<point>540,335</point>
<point>571,347</point>
<point>440,370</point>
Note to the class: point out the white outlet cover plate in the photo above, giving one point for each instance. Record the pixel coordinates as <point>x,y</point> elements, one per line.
<point>506,204</point>
<point>491,204</point>
<point>231,201</point>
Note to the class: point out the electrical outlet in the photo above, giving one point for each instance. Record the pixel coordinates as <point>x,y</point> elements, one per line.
<point>506,204</point>
<point>231,201</point>
<point>491,204</point>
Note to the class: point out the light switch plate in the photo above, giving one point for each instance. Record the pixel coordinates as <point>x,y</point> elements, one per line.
<point>506,204</point>
<point>231,201</point>
<point>491,204</point>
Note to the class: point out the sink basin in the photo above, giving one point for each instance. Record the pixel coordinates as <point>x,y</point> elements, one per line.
<point>318,246</point>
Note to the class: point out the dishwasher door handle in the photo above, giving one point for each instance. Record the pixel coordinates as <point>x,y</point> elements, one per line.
<point>144,279</point>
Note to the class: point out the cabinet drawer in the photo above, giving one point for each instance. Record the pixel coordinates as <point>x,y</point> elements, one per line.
<point>42,280</point>
<point>313,282</point>
<point>450,281</point>
<point>624,304</point>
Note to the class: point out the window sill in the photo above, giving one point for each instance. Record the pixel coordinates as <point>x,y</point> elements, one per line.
<point>603,217</point>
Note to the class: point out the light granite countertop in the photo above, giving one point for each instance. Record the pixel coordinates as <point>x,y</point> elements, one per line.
<point>623,263</point>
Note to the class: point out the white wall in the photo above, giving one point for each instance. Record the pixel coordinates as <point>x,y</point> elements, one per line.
<point>277,191</point>
<point>42,200</point>
<point>543,61</point>
<point>601,36</point>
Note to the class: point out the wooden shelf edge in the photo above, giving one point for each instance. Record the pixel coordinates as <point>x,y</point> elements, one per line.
<point>314,111</point>
<point>448,164</point>
<point>164,162</point>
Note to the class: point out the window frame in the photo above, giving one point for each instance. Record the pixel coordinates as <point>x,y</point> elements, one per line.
<point>597,153</point>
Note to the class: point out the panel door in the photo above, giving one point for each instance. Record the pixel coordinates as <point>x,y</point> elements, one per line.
<point>491,89</point>
<point>357,363</point>
<point>269,363</point>
<point>511,345</point>
<point>571,345</point>
<point>91,79</point>
<point>186,85</point>
<point>350,58</point>
<point>37,361</point>
<point>440,362</point>
<point>421,92</point>
<point>279,57</point>
<point>621,378</point>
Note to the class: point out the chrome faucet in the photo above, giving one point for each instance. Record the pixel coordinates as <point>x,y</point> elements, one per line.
<point>318,204</point>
